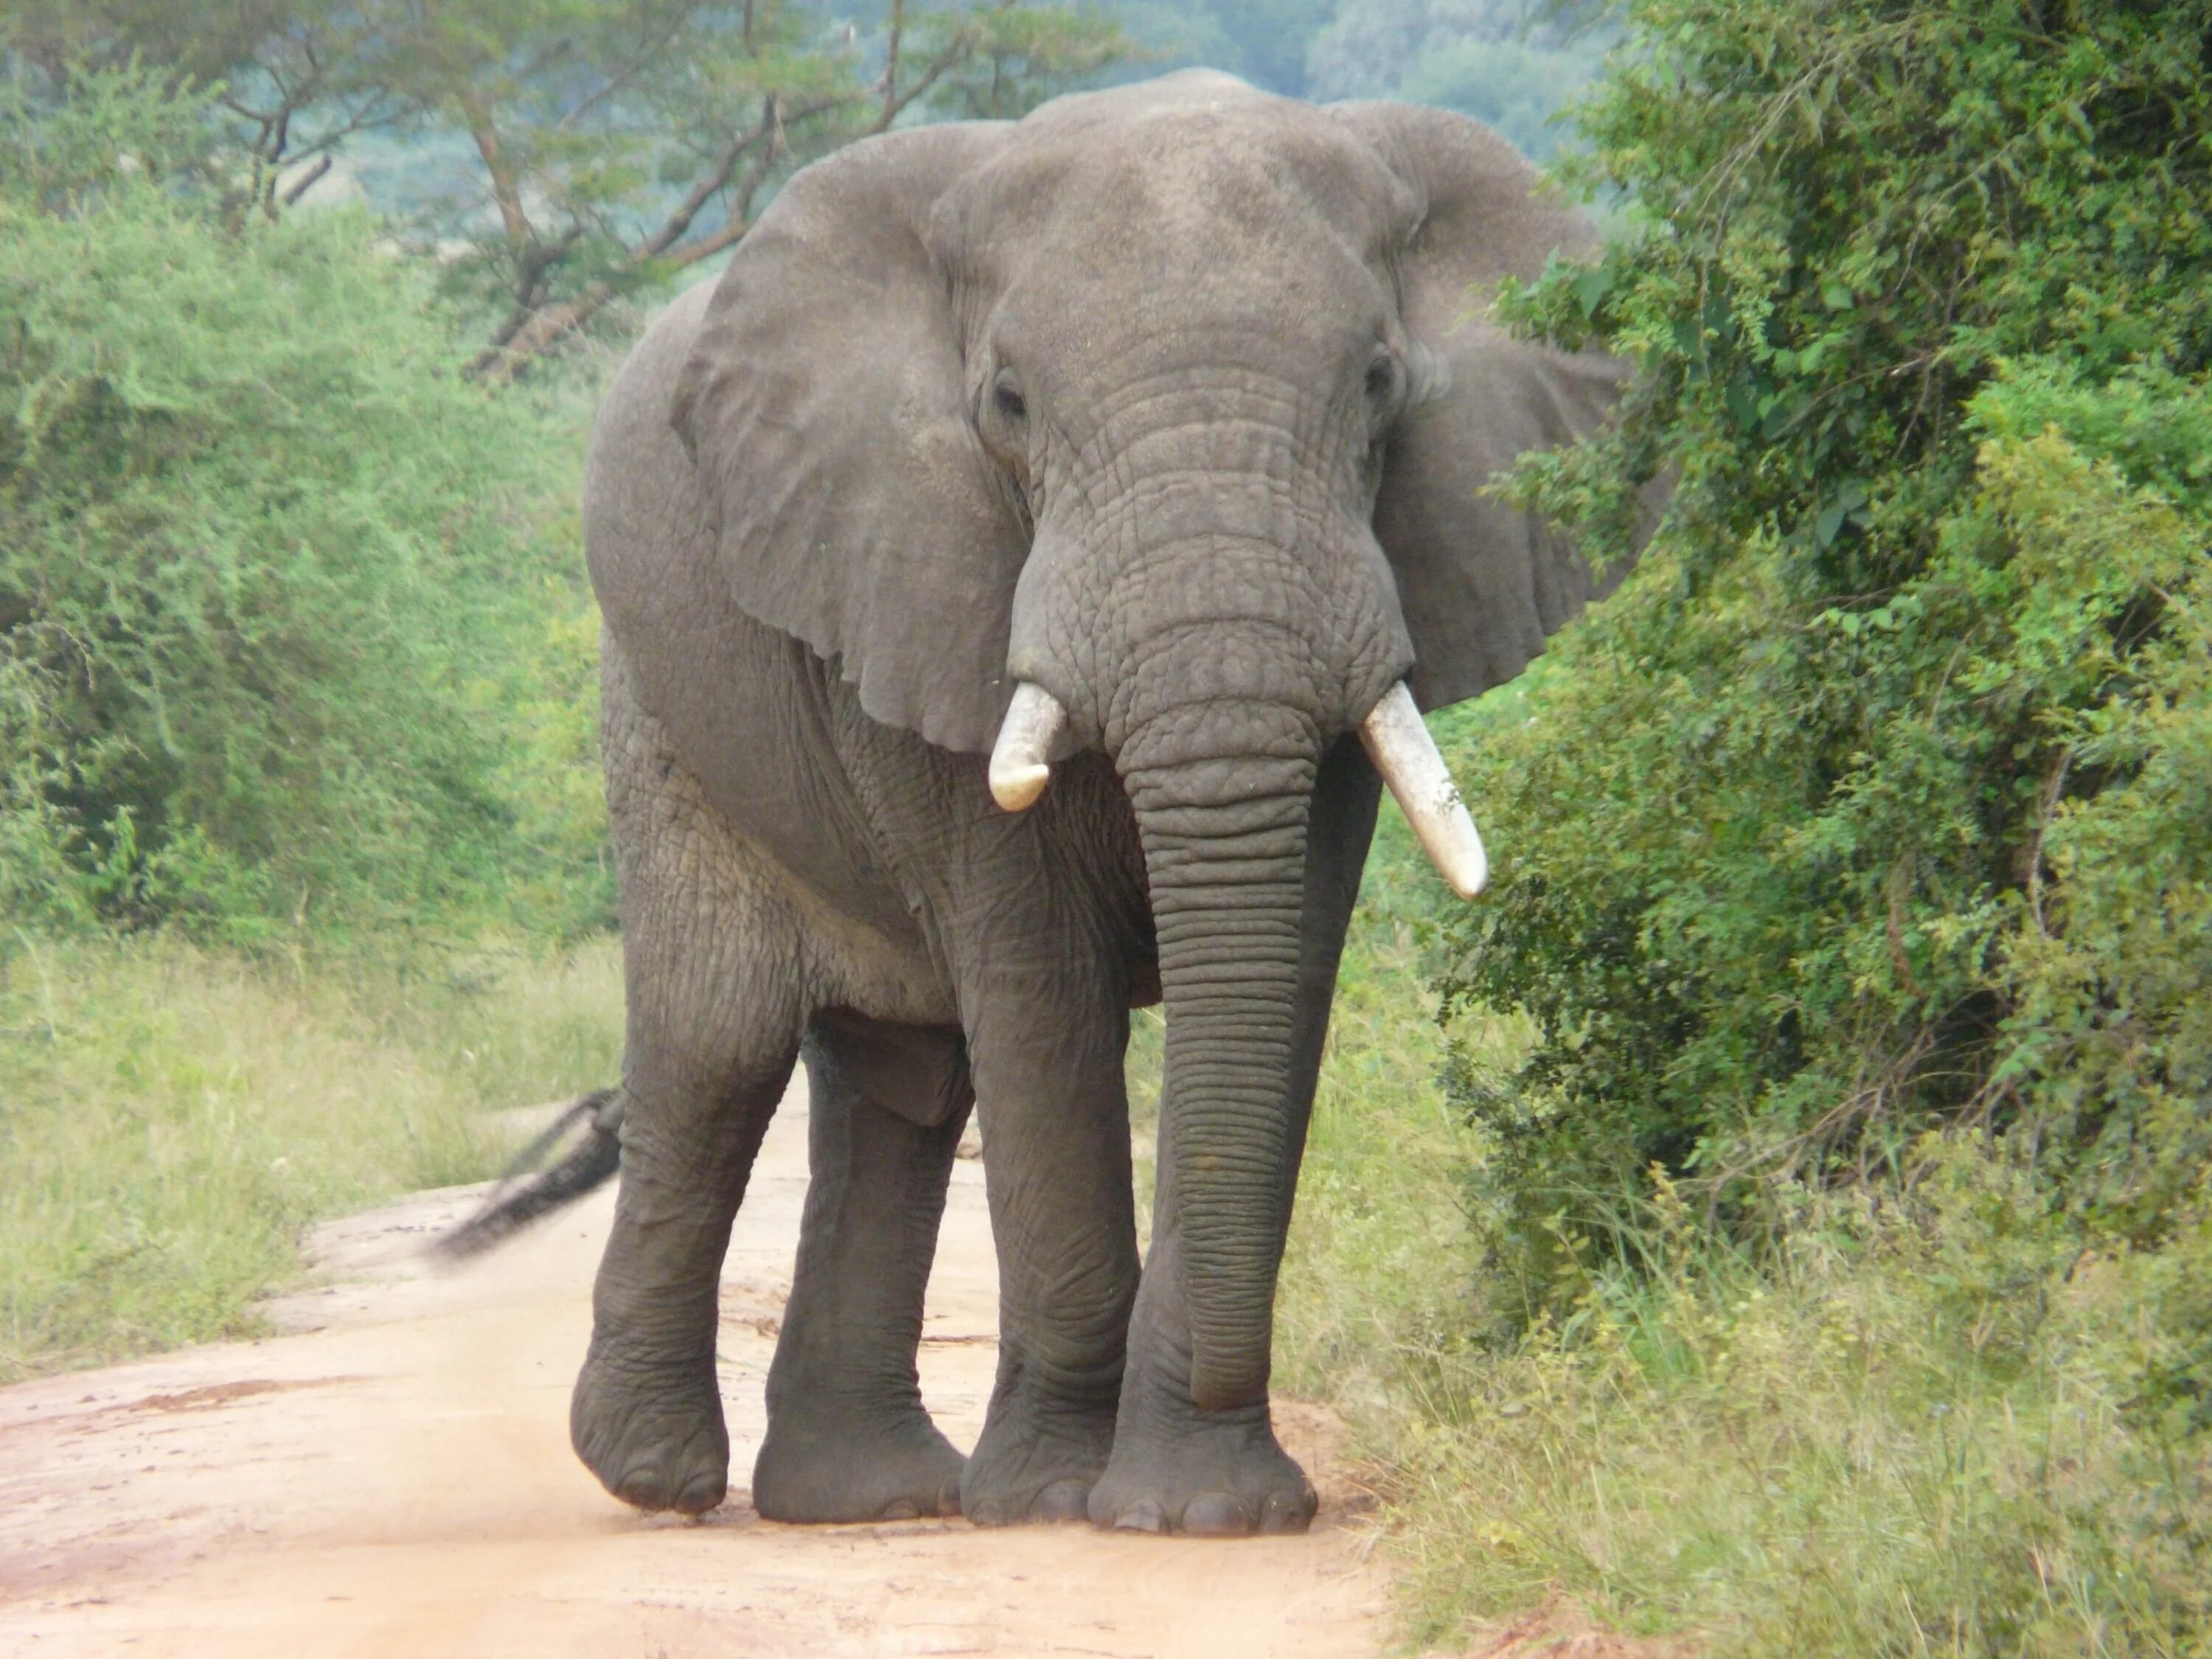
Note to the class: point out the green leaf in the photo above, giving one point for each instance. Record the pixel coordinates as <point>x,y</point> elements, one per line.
<point>1591,287</point>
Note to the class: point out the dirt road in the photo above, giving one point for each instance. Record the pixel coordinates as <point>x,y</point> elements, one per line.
<point>394,1479</point>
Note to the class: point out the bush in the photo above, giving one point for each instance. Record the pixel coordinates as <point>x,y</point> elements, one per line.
<point>291,619</point>
<point>1876,799</point>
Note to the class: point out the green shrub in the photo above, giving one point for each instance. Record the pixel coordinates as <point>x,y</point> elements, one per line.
<point>291,619</point>
<point>1876,799</point>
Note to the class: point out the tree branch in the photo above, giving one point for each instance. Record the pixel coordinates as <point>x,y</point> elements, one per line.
<point>619,79</point>
<point>726,167</point>
<point>306,181</point>
<point>529,329</point>
<point>892,105</point>
<point>523,337</point>
<point>505,190</point>
<point>507,360</point>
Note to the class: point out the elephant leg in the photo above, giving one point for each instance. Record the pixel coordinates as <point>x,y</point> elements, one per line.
<point>1046,1049</point>
<point>711,986</point>
<point>848,1439</point>
<point>1177,1468</point>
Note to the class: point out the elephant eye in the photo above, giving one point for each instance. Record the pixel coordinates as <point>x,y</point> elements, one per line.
<point>1011,403</point>
<point>1384,377</point>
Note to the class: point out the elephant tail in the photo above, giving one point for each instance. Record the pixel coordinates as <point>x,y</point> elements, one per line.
<point>526,1192</point>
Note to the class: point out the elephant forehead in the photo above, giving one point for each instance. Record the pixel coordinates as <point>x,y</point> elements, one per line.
<point>1245,187</point>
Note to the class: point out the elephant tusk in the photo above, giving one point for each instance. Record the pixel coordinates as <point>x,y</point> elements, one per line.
<point>1404,753</point>
<point>1018,768</point>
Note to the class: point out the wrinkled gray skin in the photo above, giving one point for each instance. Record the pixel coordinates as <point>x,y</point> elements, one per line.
<point>1174,400</point>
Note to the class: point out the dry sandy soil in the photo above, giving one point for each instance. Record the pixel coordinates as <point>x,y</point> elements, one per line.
<point>392,1477</point>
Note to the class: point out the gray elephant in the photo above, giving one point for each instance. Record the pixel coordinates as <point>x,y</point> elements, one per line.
<point>1020,574</point>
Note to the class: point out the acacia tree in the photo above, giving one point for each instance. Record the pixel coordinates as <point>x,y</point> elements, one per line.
<point>295,79</point>
<point>1002,61</point>
<point>610,143</point>
<point>621,144</point>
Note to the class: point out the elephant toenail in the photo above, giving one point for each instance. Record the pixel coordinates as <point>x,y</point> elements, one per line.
<point>900,1509</point>
<point>1287,1513</point>
<point>703,1493</point>
<point>1216,1515</point>
<point>1143,1516</point>
<point>1063,1500</point>
<point>948,1495</point>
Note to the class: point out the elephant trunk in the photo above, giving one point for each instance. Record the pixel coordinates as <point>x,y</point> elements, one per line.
<point>1225,842</point>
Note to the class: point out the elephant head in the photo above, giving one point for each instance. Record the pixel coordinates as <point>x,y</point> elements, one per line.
<point>1157,422</point>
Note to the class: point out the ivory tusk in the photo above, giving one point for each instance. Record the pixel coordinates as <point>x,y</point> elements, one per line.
<point>1019,771</point>
<point>1404,753</point>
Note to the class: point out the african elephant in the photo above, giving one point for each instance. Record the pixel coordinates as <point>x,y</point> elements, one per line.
<point>1008,570</point>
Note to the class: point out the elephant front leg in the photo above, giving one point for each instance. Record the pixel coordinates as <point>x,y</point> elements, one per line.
<point>847,1437</point>
<point>1177,1468</point>
<point>1047,1050</point>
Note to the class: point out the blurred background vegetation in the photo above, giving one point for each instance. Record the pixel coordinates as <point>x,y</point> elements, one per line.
<point>1777,1220</point>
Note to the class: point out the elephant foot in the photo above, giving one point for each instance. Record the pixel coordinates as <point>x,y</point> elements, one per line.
<point>655,1439</point>
<point>851,1466</point>
<point>1035,1465</point>
<point>1214,1475</point>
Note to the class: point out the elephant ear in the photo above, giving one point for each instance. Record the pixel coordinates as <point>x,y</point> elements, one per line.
<point>1481,584</point>
<point>825,406</point>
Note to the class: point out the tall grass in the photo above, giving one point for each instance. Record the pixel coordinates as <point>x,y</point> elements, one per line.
<point>1861,1445</point>
<point>172,1118</point>
<point>1377,1254</point>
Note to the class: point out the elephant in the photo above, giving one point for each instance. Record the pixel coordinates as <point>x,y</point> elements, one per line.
<point>1020,574</point>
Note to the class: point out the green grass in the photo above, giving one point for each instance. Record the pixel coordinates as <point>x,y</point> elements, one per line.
<point>1378,1249</point>
<point>172,1120</point>
<point>1848,1450</point>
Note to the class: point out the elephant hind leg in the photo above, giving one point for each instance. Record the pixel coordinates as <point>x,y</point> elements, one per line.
<point>847,1437</point>
<point>714,984</point>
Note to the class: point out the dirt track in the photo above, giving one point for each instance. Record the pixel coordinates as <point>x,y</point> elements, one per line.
<point>394,1478</point>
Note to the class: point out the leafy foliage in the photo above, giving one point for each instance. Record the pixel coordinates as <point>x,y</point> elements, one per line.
<point>274,584</point>
<point>1876,801</point>
<point>999,62</point>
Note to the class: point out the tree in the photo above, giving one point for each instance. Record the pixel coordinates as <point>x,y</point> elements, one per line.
<point>1000,62</point>
<point>611,143</point>
<point>637,140</point>
<point>296,78</point>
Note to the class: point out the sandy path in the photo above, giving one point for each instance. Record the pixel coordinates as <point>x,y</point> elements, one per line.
<point>395,1478</point>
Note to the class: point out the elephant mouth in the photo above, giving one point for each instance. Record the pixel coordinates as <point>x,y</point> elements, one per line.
<point>1392,732</point>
